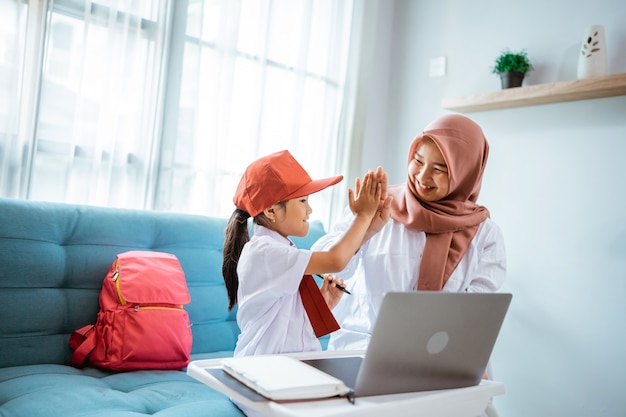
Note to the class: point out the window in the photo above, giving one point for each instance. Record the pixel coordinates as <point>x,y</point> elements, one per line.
<point>162,104</point>
<point>12,70</point>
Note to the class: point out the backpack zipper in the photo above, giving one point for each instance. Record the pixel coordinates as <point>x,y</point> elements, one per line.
<point>138,307</point>
<point>116,280</point>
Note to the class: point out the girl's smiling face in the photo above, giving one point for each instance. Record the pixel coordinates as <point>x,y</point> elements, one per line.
<point>428,172</point>
<point>292,218</point>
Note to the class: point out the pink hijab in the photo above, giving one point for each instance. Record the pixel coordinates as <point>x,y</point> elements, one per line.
<point>450,223</point>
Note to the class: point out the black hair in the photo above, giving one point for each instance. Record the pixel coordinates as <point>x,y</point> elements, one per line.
<point>236,236</point>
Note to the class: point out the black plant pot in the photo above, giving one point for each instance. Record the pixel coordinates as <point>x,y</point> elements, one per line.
<point>511,79</point>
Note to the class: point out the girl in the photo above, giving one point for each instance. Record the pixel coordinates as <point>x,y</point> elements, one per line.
<point>264,274</point>
<point>438,237</point>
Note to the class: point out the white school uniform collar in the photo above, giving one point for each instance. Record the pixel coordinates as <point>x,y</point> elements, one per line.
<point>259,230</point>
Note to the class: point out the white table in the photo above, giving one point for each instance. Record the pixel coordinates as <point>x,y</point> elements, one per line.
<point>459,402</point>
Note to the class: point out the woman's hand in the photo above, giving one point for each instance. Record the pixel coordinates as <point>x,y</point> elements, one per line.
<point>331,294</point>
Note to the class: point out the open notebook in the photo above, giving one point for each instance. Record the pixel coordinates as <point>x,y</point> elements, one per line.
<point>421,341</point>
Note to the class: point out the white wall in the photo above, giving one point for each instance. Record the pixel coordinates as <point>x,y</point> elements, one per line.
<point>555,183</point>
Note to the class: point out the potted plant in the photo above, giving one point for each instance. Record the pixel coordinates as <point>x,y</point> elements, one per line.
<point>512,67</point>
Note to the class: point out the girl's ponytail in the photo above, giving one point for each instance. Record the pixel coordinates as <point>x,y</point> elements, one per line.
<point>237,235</point>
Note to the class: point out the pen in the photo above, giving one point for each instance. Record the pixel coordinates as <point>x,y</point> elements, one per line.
<point>336,285</point>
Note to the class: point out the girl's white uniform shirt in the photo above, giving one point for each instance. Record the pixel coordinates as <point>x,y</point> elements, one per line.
<point>270,312</point>
<point>390,261</point>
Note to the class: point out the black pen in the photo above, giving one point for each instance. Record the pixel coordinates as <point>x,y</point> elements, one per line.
<point>336,285</point>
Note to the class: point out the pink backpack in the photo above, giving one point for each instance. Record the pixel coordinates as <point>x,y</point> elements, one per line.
<point>141,323</point>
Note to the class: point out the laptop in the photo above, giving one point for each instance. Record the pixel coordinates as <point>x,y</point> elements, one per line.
<point>424,341</point>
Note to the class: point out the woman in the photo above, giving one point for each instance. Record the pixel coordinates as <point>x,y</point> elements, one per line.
<point>430,233</point>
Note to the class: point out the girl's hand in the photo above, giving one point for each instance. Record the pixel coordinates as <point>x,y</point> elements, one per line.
<point>381,217</point>
<point>368,195</point>
<point>331,294</point>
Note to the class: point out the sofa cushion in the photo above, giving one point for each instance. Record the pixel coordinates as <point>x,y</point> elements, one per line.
<point>59,390</point>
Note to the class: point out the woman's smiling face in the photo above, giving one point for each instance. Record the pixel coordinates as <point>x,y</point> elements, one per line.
<point>428,172</point>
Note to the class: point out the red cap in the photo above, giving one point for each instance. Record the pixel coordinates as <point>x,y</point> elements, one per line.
<point>273,178</point>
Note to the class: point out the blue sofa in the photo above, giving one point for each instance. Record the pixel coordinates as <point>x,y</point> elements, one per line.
<point>53,258</point>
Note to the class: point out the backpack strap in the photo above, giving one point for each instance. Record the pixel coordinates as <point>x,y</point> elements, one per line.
<point>82,342</point>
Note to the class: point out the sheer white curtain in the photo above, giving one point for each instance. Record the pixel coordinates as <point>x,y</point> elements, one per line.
<point>257,77</point>
<point>161,104</point>
<point>89,107</point>
<point>98,105</point>
<point>14,150</point>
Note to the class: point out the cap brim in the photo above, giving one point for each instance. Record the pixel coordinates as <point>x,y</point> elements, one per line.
<point>314,186</point>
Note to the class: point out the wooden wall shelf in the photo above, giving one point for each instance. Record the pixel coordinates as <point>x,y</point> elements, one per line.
<point>585,89</point>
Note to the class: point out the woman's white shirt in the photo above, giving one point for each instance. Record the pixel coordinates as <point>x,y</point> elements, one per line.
<point>390,261</point>
<point>270,312</point>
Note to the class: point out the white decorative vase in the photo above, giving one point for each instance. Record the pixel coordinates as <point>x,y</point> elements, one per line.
<point>592,57</point>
